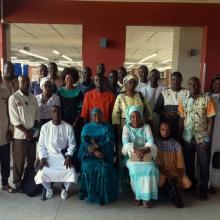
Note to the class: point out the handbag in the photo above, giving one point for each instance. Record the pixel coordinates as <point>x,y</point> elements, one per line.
<point>29,187</point>
<point>146,158</point>
<point>216,160</point>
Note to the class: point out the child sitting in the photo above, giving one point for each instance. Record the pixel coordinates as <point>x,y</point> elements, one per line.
<point>171,166</point>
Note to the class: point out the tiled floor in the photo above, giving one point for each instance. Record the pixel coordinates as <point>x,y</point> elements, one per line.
<point>21,207</point>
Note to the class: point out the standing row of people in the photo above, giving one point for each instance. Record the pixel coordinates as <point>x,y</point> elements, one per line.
<point>82,115</point>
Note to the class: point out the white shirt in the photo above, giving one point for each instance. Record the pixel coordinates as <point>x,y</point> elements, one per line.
<point>4,95</point>
<point>151,94</point>
<point>54,138</point>
<point>23,110</point>
<point>45,108</point>
<point>172,97</point>
<point>141,85</point>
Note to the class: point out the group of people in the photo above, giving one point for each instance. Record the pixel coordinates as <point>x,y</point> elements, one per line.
<point>94,129</point>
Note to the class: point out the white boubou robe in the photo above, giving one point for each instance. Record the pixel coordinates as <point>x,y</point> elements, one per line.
<point>53,139</point>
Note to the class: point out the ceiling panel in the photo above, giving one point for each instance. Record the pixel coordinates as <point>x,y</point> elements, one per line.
<point>41,39</point>
<point>143,41</point>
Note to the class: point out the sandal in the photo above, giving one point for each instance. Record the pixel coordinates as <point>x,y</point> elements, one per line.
<point>8,189</point>
<point>137,202</point>
<point>147,204</point>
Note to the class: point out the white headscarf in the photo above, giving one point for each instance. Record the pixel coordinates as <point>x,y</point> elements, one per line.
<point>43,81</point>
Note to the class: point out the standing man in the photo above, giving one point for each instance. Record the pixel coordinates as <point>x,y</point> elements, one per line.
<point>153,89</point>
<point>87,83</point>
<point>98,98</point>
<point>167,103</point>
<point>151,93</point>
<point>56,80</point>
<point>197,112</point>
<point>101,72</point>
<point>24,116</point>
<point>4,141</point>
<point>113,82</point>
<point>9,81</point>
<point>35,85</point>
<point>143,75</point>
<point>122,73</point>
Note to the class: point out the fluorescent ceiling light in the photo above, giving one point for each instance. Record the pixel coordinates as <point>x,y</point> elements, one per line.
<point>33,54</point>
<point>14,58</point>
<point>147,58</point>
<point>66,61</point>
<point>66,57</point>
<point>63,64</point>
<point>56,52</point>
<point>167,61</point>
<point>129,63</point>
<point>20,61</point>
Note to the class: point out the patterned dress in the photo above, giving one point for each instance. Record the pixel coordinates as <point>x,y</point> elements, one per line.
<point>144,175</point>
<point>123,102</point>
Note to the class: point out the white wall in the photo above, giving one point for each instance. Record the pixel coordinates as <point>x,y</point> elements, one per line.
<point>186,38</point>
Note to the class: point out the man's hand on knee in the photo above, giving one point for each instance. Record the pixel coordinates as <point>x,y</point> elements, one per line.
<point>68,162</point>
<point>43,162</point>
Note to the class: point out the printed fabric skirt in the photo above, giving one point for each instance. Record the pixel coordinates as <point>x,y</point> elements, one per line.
<point>144,179</point>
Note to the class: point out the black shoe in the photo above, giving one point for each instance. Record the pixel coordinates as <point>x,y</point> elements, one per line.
<point>101,204</point>
<point>212,190</point>
<point>19,190</point>
<point>203,197</point>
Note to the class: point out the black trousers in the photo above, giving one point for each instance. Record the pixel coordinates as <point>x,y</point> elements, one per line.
<point>190,150</point>
<point>5,163</point>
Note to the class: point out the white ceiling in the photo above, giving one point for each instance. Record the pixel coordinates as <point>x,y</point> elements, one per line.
<point>41,39</point>
<point>142,41</point>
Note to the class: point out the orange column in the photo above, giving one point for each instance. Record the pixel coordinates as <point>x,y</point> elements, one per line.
<point>210,62</point>
<point>2,44</point>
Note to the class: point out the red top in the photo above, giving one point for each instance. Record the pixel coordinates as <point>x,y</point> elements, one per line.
<point>94,99</point>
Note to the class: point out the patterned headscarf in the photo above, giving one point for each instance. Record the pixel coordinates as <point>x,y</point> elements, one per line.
<point>129,77</point>
<point>132,109</point>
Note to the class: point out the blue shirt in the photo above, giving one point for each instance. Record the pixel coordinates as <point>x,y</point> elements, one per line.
<point>35,88</point>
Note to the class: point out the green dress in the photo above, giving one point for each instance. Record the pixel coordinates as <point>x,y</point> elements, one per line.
<point>98,177</point>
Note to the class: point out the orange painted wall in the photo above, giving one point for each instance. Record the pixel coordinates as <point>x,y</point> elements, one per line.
<point>106,19</point>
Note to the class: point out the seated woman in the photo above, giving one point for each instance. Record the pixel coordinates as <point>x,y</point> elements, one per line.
<point>46,100</point>
<point>171,165</point>
<point>98,177</point>
<point>138,144</point>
